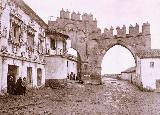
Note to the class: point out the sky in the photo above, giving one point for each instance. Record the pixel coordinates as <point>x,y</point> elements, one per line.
<point>108,13</point>
<point>113,65</point>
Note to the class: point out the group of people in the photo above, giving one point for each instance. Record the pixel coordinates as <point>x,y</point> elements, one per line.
<point>18,87</point>
<point>72,76</point>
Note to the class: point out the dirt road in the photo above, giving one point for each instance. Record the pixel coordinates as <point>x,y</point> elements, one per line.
<point>112,98</point>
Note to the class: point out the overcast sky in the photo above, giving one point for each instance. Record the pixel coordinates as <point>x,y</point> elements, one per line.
<point>107,12</point>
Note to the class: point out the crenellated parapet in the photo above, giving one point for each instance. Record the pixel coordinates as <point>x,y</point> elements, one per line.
<point>64,14</point>
<point>84,22</point>
<point>88,24</point>
<point>108,33</point>
<point>87,17</point>
<point>121,32</point>
<point>146,29</point>
<point>76,16</point>
<point>134,31</point>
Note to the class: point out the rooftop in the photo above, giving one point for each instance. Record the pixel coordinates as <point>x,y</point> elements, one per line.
<point>129,70</point>
<point>152,53</point>
<point>30,12</point>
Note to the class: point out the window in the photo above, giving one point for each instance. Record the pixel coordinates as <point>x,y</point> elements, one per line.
<point>31,41</point>
<point>151,64</point>
<point>39,76</point>
<point>64,46</point>
<point>53,44</point>
<point>15,33</point>
<point>40,46</point>
<point>30,38</point>
<point>67,63</point>
<point>29,74</point>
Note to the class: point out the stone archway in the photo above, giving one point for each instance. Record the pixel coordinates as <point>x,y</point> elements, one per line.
<point>117,59</point>
<point>91,44</point>
<point>78,60</point>
<point>130,49</point>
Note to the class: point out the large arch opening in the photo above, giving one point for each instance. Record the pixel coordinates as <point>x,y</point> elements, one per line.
<point>73,64</point>
<point>116,60</point>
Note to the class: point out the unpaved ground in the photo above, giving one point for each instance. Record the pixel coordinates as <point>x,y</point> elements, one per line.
<point>112,98</point>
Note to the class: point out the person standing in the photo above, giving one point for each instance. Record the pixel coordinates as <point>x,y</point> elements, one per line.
<point>74,77</point>
<point>71,76</point>
<point>11,85</point>
<point>24,85</point>
<point>19,88</point>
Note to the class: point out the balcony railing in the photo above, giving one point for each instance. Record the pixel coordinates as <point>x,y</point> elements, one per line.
<point>55,52</point>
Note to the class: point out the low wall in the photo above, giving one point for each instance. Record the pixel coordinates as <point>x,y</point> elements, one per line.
<point>91,79</point>
<point>53,83</point>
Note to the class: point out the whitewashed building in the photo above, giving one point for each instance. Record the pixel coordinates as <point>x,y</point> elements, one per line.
<point>26,50</point>
<point>22,43</point>
<point>58,63</point>
<point>148,69</point>
<point>128,74</point>
<point>72,65</point>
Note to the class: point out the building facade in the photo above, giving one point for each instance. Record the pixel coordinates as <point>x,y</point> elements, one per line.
<point>56,61</point>
<point>128,74</point>
<point>28,48</point>
<point>147,70</point>
<point>59,64</point>
<point>22,44</point>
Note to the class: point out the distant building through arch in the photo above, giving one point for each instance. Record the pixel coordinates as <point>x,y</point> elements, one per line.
<point>71,66</point>
<point>116,60</point>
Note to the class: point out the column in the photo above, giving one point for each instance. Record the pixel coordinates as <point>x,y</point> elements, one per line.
<point>4,74</point>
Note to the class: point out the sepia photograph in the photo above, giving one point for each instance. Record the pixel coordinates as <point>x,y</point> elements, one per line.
<point>79,57</point>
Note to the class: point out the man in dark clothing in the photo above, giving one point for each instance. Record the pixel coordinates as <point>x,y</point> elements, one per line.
<point>19,87</point>
<point>74,77</point>
<point>11,85</point>
<point>24,85</point>
<point>71,76</point>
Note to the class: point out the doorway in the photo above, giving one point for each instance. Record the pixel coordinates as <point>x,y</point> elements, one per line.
<point>39,76</point>
<point>11,76</point>
<point>29,74</point>
<point>13,71</point>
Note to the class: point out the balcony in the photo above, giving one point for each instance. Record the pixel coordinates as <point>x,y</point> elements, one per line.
<point>56,52</point>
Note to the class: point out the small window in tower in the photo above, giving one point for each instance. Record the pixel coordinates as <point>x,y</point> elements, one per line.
<point>53,44</point>
<point>67,63</point>
<point>151,64</point>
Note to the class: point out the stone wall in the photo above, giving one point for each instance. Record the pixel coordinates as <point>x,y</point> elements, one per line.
<point>128,76</point>
<point>92,45</point>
